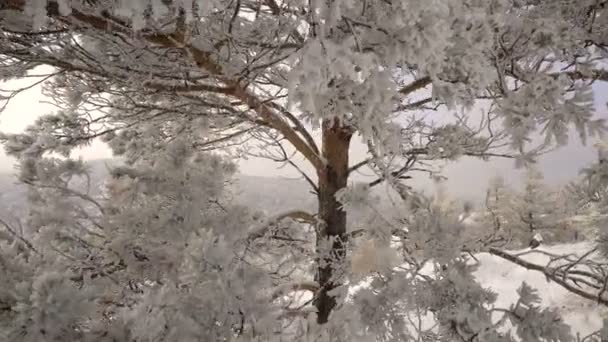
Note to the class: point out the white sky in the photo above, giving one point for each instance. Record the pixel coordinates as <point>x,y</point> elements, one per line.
<point>467,177</point>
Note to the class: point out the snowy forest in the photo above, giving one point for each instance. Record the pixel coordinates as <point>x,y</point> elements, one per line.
<point>359,98</point>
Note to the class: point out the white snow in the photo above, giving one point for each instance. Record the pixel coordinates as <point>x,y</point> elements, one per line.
<point>504,277</point>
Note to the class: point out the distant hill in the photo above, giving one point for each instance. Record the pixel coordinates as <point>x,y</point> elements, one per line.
<point>12,195</point>
<point>271,195</point>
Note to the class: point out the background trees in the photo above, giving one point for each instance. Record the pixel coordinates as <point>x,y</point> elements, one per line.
<point>305,78</point>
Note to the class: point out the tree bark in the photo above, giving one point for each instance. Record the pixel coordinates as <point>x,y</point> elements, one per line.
<point>332,227</point>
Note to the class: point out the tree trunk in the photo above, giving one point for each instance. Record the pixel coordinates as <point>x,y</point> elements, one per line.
<point>332,227</point>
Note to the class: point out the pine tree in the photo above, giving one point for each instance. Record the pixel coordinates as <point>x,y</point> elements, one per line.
<point>537,206</point>
<point>295,77</point>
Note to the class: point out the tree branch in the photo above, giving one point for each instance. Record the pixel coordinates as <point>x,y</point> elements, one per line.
<point>311,286</point>
<point>551,275</point>
<point>297,215</point>
<point>414,105</point>
<point>202,59</point>
<point>396,174</point>
<point>415,85</point>
<point>359,165</point>
<point>276,10</point>
<point>400,233</point>
<point>298,126</point>
<point>27,243</point>
<point>591,75</point>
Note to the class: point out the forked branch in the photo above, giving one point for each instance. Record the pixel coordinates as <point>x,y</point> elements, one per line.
<point>582,282</point>
<point>203,59</point>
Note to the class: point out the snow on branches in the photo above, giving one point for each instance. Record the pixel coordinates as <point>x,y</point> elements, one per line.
<point>165,83</point>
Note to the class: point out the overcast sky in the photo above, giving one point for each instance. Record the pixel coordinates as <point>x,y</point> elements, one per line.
<point>467,178</point>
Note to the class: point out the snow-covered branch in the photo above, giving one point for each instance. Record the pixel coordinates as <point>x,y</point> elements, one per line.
<point>297,215</point>
<point>582,275</point>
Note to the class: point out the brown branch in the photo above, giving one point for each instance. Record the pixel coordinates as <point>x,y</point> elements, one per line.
<point>359,165</point>
<point>280,125</point>
<point>298,125</point>
<point>414,105</point>
<point>203,60</point>
<point>307,178</point>
<point>286,158</point>
<point>415,85</point>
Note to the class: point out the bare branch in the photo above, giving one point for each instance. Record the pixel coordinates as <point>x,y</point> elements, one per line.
<point>359,165</point>
<point>415,85</point>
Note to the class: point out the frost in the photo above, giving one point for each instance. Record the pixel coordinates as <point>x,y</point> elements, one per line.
<point>65,7</point>
<point>36,9</point>
<point>528,295</point>
<point>354,197</point>
<point>180,90</point>
<point>372,256</point>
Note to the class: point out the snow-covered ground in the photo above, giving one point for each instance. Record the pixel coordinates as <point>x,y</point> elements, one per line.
<point>504,277</point>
